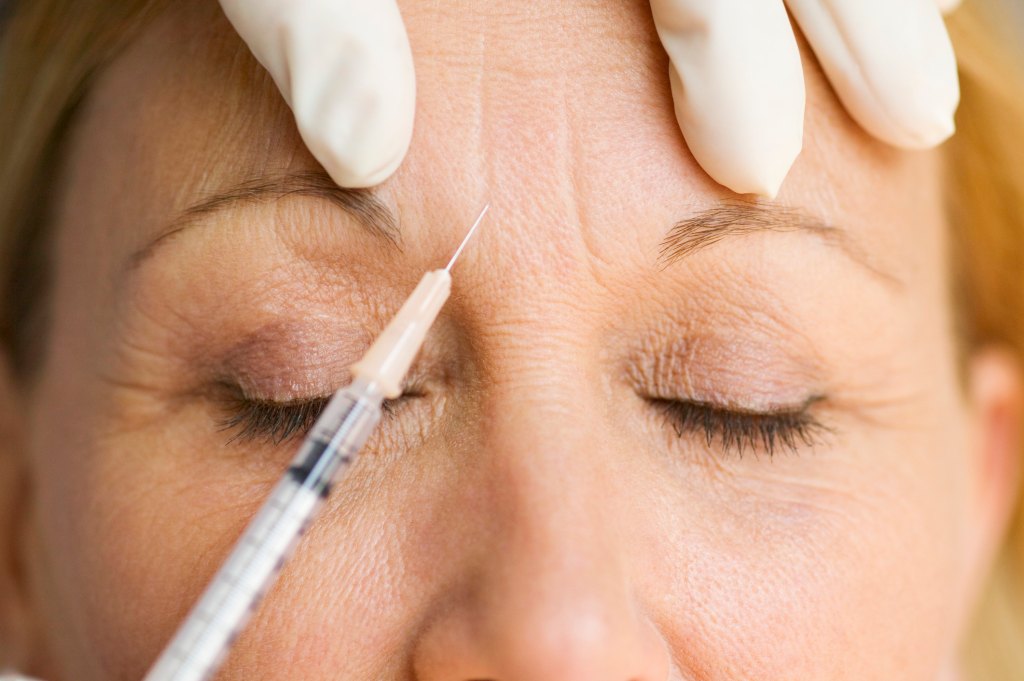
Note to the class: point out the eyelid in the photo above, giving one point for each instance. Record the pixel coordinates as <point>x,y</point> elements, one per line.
<point>276,422</point>
<point>737,429</point>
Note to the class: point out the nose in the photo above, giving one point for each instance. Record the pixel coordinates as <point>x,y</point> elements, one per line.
<point>549,597</point>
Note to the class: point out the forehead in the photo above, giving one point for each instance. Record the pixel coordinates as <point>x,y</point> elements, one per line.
<point>559,114</point>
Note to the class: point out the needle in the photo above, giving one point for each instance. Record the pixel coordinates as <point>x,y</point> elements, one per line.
<point>469,234</point>
<point>326,455</point>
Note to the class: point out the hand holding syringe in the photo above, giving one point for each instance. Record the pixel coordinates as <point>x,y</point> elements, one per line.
<point>202,641</point>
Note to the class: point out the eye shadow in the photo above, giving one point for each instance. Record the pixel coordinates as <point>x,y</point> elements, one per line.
<point>286,360</point>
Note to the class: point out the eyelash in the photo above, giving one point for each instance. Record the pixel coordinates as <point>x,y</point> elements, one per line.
<point>737,431</point>
<point>275,423</point>
<point>278,422</point>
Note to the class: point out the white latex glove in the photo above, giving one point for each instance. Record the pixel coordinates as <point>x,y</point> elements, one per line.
<point>345,68</point>
<point>739,89</point>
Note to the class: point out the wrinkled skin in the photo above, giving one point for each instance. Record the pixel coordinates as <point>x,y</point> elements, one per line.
<point>527,511</point>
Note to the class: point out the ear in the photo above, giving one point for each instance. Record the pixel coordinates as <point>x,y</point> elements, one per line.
<point>996,402</point>
<point>16,628</point>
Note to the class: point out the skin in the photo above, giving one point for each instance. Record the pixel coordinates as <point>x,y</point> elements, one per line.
<point>527,512</point>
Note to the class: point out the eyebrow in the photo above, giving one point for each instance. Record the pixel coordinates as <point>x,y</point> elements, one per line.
<point>369,212</point>
<point>731,219</point>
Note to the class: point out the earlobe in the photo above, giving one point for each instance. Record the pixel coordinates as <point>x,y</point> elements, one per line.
<point>996,395</point>
<point>15,621</point>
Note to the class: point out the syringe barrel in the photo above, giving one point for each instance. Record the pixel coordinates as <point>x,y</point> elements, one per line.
<point>202,641</point>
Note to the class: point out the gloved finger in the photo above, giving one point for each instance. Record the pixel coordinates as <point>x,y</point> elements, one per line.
<point>890,61</point>
<point>346,70</point>
<point>738,88</point>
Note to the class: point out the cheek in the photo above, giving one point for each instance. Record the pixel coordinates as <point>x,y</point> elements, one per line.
<point>128,537</point>
<point>138,519</point>
<point>768,569</point>
<point>780,565</point>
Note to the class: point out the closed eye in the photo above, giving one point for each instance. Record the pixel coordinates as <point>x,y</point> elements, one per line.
<point>737,431</point>
<point>272,422</point>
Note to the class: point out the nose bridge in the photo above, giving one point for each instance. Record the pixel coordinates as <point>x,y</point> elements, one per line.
<point>549,596</point>
<point>541,432</point>
<point>545,460</point>
<point>545,443</point>
<point>553,585</point>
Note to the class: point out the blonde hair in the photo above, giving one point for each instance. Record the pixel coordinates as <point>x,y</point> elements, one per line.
<point>986,179</point>
<point>49,53</point>
<point>51,49</point>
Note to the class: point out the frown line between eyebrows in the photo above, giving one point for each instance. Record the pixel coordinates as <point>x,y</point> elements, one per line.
<point>363,205</point>
<point>730,219</point>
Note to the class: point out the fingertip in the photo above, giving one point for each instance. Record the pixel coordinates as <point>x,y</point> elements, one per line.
<point>750,179</point>
<point>359,173</point>
<point>745,149</point>
<point>738,88</point>
<point>356,114</point>
<point>891,63</point>
<point>922,117</point>
<point>357,148</point>
<point>928,134</point>
<point>346,69</point>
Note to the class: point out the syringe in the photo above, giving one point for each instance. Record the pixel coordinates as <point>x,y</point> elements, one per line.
<point>202,642</point>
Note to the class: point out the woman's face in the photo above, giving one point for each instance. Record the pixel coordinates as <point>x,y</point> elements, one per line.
<point>659,431</point>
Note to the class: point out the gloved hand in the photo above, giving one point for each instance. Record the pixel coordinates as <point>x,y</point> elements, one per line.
<point>739,89</point>
<point>345,68</point>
